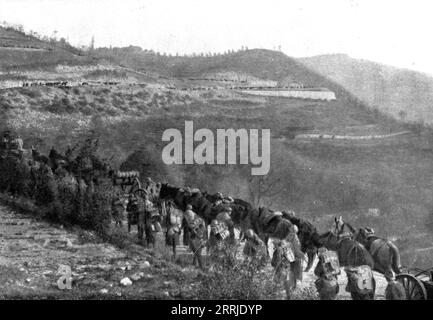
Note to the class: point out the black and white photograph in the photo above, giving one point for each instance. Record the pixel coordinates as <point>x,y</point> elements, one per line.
<point>216,150</point>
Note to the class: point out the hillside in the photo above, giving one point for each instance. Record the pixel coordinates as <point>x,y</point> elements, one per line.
<point>22,51</point>
<point>256,64</point>
<point>405,94</point>
<point>317,178</point>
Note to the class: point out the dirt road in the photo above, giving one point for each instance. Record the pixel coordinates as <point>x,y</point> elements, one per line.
<point>31,253</point>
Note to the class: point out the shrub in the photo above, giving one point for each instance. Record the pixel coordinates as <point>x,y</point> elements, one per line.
<point>234,278</point>
<point>61,197</point>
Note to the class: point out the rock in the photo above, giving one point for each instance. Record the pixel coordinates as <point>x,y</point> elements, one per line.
<point>126,282</point>
<point>104,267</point>
<point>103,291</point>
<point>137,276</point>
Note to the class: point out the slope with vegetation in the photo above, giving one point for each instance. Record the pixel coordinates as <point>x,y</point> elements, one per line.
<point>316,178</point>
<point>404,94</point>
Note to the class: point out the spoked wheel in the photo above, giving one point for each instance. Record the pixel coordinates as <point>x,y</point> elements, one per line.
<point>413,287</point>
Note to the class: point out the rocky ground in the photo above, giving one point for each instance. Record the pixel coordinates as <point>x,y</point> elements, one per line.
<point>32,253</point>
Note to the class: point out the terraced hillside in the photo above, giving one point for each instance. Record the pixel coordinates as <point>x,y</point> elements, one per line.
<point>21,51</point>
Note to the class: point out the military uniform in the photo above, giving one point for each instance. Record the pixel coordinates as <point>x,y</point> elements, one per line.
<point>117,210</point>
<point>151,222</point>
<point>218,233</point>
<point>132,211</point>
<point>197,234</point>
<point>173,222</point>
<point>255,249</point>
<point>287,261</point>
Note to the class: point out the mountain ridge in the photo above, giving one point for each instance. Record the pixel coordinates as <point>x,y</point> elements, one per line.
<point>403,93</point>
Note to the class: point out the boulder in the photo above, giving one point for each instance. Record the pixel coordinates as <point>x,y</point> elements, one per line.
<point>126,282</point>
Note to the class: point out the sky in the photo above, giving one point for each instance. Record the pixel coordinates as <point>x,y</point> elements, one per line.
<point>394,32</point>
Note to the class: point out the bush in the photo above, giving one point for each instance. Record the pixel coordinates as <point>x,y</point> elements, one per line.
<point>60,197</point>
<point>234,278</point>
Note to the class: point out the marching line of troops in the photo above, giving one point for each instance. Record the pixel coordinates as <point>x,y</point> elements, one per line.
<point>287,258</point>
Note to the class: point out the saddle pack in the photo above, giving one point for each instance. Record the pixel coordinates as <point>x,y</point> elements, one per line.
<point>360,279</point>
<point>176,217</point>
<point>330,262</point>
<point>220,228</point>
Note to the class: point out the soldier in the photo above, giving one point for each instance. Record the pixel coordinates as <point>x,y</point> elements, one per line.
<point>255,249</point>
<point>173,222</point>
<point>226,217</point>
<point>117,209</point>
<point>132,211</point>
<point>197,234</point>
<point>218,233</point>
<point>188,216</point>
<point>151,221</point>
<point>327,269</point>
<point>395,291</point>
<point>287,257</point>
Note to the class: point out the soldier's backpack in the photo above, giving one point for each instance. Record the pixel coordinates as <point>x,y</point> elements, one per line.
<point>196,224</point>
<point>330,262</point>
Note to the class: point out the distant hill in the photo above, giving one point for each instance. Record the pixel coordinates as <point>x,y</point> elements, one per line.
<point>405,94</point>
<point>19,50</point>
<point>267,65</point>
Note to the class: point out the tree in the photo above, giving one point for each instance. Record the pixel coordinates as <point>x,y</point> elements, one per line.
<point>92,44</point>
<point>262,189</point>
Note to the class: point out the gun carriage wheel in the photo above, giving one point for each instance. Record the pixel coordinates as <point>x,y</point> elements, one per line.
<point>414,288</point>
